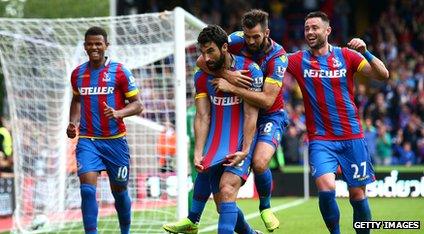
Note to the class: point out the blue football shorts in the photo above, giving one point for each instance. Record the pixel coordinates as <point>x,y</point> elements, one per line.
<point>351,155</point>
<point>112,155</point>
<point>271,127</point>
<point>242,170</point>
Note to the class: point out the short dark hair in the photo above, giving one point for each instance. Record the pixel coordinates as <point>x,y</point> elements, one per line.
<point>94,31</point>
<point>254,17</point>
<point>318,14</point>
<point>213,33</point>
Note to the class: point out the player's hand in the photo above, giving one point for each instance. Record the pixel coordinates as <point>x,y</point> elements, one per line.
<point>358,45</point>
<point>222,85</point>
<point>198,163</point>
<point>239,78</point>
<point>110,112</point>
<point>235,158</point>
<point>71,131</point>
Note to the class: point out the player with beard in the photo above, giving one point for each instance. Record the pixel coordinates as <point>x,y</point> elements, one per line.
<point>224,127</point>
<point>325,75</point>
<point>254,43</point>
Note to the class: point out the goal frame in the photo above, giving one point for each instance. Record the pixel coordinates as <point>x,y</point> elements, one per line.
<point>181,18</point>
<point>180,104</point>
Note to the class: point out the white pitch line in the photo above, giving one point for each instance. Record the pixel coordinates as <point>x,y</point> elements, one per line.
<point>257,214</point>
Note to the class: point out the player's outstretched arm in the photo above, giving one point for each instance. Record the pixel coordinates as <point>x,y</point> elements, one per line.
<point>238,78</point>
<point>74,117</point>
<point>134,107</point>
<point>375,68</point>
<point>202,121</point>
<point>249,130</point>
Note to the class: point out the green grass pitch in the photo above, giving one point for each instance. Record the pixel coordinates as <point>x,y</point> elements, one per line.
<point>297,215</point>
<point>305,217</point>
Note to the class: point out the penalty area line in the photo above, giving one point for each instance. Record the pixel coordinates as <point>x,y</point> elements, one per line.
<point>257,214</point>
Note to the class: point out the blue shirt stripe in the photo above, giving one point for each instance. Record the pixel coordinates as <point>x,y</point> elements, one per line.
<point>309,85</point>
<point>345,93</point>
<point>94,102</point>
<point>329,98</point>
<point>83,122</point>
<point>213,121</point>
<point>227,103</point>
<point>113,124</point>
<point>224,146</point>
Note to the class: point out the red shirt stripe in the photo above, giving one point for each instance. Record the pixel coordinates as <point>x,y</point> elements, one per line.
<point>216,136</point>
<point>87,103</point>
<point>295,68</point>
<point>120,97</point>
<point>104,121</point>
<point>340,103</point>
<point>319,90</point>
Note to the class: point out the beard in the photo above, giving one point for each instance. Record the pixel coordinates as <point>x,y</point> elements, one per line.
<point>255,49</point>
<point>216,65</point>
<point>320,42</point>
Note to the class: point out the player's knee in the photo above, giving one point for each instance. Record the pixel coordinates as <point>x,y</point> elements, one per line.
<point>259,166</point>
<point>227,192</point>
<point>260,161</point>
<point>326,182</point>
<point>89,178</point>
<point>357,193</point>
<point>117,188</point>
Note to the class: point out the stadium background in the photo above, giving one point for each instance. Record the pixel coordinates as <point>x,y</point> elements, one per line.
<point>393,31</point>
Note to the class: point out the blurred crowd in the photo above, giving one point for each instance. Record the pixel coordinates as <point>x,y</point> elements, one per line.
<point>393,112</point>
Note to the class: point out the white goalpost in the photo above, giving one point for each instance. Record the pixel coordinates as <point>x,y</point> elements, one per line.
<point>37,57</point>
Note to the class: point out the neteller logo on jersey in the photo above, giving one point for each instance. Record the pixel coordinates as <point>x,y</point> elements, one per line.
<point>95,90</point>
<point>225,101</point>
<point>323,73</point>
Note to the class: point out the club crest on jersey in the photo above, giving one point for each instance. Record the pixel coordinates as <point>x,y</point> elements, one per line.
<point>336,63</point>
<point>106,77</point>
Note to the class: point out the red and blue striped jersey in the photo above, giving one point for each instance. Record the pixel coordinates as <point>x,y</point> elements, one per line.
<point>112,84</point>
<point>227,115</point>
<point>272,62</point>
<point>327,87</point>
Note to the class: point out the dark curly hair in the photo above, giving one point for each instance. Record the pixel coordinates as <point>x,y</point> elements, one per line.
<point>94,31</point>
<point>213,33</point>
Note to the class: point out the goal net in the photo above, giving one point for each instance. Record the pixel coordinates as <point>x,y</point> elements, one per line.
<point>37,57</point>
